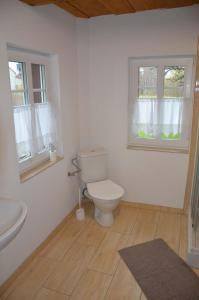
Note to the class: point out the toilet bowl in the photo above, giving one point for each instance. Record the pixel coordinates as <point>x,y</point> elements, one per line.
<point>106,196</point>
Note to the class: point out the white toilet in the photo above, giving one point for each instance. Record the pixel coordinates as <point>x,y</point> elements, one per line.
<point>105,193</point>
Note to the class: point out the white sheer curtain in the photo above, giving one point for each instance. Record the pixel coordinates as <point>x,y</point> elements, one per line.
<point>152,118</point>
<point>34,129</point>
<point>171,117</point>
<point>145,118</point>
<point>23,130</point>
<point>44,126</point>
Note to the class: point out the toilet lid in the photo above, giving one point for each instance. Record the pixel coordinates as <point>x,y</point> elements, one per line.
<point>105,190</point>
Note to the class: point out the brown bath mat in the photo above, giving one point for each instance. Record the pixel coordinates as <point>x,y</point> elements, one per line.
<point>161,274</point>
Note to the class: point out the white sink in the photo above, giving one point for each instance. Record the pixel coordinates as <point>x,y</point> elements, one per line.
<point>12,217</point>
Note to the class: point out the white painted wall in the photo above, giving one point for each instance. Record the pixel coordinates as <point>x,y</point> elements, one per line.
<point>149,177</point>
<point>51,195</point>
<point>83,56</point>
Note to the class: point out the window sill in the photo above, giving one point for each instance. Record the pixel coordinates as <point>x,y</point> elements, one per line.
<point>157,149</point>
<point>38,169</point>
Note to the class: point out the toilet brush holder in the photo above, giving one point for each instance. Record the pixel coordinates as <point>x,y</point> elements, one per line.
<point>80,214</point>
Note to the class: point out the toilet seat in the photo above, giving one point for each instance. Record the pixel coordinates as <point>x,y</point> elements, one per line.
<point>105,190</point>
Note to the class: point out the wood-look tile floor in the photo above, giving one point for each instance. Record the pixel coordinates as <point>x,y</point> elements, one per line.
<point>81,261</point>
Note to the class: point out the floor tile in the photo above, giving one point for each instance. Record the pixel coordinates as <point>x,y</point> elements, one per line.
<point>169,229</point>
<point>145,227</point>
<point>124,220</point>
<point>123,285</point>
<point>45,294</point>
<point>92,286</point>
<point>183,248</point>
<point>34,277</point>
<point>68,272</point>
<point>93,234</point>
<point>62,242</point>
<point>143,297</point>
<point>106,258</point>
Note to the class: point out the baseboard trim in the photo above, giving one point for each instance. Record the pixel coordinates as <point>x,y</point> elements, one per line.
<point>154,207</point>
<point>150,206</point>
<point>31,257</point>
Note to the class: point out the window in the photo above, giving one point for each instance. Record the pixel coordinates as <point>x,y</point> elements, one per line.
<point>160,103</point>
<point>34,128</point>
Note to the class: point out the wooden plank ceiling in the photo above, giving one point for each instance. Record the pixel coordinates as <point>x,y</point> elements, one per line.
<point>93,8</point>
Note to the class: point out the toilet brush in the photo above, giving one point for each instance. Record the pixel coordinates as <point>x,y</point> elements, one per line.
<point>80,214</point>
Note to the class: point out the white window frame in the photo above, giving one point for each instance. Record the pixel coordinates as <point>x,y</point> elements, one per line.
<point>28,59</point>
<point>160,62</point>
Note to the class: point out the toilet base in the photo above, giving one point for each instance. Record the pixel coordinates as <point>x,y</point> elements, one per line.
<point>103,218</point>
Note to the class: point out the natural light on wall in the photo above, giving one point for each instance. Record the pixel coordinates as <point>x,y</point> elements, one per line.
<point>35,126</point>
<point>160,102</point>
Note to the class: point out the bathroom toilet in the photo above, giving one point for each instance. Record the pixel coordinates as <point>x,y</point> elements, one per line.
<point>105,194</point>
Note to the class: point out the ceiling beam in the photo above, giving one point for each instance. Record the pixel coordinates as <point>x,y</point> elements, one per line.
<point>141,5</point>
<point>108,6</point>
<point>117,7</point>
<point>90,8</point>
<point>69,7</point>
<point>37,2</point>
<point>64,4</point>
<point>131,5</point>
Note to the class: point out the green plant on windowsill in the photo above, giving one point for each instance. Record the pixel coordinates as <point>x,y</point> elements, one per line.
<point>164,136</point>
<point>170,136</point>
<point>145,135</point>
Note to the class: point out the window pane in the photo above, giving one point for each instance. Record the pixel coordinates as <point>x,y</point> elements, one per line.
<point>23,151</point>
<point>36,76</point>
<point>37,96</point>
<point>39,83</point>
<point>147,82</point>
<point>16,70</point>
<point>18,98</point>
<point>18,82</point>
<point>173,93</point>
<point>147,93</point>
<point>173,81</point>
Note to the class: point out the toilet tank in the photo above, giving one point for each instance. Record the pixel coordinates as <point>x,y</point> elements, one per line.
<point>93,164</point>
